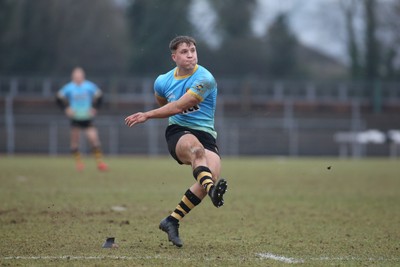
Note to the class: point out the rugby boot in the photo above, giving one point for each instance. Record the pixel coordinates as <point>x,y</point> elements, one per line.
<point>171,228</point>
<point>102,167</point>
<point>217,192</point>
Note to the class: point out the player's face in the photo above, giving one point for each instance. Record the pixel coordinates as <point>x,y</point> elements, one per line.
<point>78,76</point>
<point>185,56</point>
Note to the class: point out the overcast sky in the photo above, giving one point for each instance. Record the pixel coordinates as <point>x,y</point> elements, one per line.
<point>315,22</point>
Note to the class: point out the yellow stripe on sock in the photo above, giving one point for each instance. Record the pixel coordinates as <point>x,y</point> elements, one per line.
<point>207,181</point>
<point>181,209</point>
<point>77,156</point>
<point>187,202</point>
<point>209,187</point>
<point>176,216</point>
<point>98,155</point>
<point>202,174</point>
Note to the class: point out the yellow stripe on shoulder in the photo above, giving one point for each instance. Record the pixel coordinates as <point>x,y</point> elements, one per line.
<point>199,97</point>
<point>158,96</point>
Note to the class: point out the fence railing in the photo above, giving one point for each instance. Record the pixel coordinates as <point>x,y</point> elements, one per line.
<point>284,135</point>
<point>376,92</point>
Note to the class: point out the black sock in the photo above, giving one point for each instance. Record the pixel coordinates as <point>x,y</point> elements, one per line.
<point>188,202</point>
<point>203,175</point>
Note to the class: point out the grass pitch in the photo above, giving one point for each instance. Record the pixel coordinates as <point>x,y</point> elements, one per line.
<point>311,212</point>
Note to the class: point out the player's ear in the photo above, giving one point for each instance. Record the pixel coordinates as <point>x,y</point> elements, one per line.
<point>173,56</point>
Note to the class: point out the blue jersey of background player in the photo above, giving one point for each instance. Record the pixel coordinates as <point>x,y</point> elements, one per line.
<point>202,85</point>
<point>80,98</point>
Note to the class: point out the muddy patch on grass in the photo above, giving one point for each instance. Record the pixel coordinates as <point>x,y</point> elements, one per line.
<point>3,212</point>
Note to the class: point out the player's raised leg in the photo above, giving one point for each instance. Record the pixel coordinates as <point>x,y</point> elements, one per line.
<point>190,151</point>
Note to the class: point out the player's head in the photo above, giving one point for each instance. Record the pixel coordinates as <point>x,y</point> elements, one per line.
<point>78,75</point>
<point>184,53</point>
<point>173,45</point>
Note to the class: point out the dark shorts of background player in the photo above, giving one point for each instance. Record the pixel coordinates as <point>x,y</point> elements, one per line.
<point>81,124</point>
<point>174,132</point>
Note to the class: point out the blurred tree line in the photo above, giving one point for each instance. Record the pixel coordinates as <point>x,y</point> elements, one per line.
<point>131,37</point>
<point>50,37</point>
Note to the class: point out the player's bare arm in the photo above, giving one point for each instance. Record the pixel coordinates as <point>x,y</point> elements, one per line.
<point>97,102</point>
<point>69,112</point>
<point>93,112</point>
<point>185,102</point>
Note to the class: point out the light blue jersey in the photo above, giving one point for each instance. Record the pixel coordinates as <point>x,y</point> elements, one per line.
<point>80,98</point>
<point>202,85</point>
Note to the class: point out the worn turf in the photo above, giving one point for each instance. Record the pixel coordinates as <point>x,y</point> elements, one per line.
<point>311,212</point>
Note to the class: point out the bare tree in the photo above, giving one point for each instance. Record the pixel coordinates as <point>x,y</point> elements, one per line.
<point>376,53</point>
<point>349,8</point>
<point>93,35</point>
<point>389,36</point>
<point>371,42</point>
<point>152,24</point>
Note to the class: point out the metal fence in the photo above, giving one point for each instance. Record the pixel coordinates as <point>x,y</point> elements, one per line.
<point>247,89</point>
<point>285,136</point>
<point>243,134</point>
<point>251,136</point>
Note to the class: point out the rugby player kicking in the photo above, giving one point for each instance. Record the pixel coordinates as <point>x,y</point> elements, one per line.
<point>187,96</point>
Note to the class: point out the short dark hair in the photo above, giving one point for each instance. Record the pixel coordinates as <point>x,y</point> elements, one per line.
<point>173,45</point>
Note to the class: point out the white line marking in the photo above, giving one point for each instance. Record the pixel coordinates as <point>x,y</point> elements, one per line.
<point>353,259</point>
<point>279,258</point>
<point>284,259</point>
<point>267,255</point>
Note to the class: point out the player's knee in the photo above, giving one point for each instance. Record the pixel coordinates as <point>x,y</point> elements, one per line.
<point>198,152</point>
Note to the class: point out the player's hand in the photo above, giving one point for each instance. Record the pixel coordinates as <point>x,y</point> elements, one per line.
<point>136,118</point>
<point>69,112</point>
<point>93,112</point>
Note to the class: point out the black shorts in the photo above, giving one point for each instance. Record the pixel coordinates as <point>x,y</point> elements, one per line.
<point>174,132</point>
<point>81,124</point>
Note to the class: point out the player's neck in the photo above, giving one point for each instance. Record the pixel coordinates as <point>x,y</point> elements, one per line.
<point>79,83</point>
<point>180,72</point>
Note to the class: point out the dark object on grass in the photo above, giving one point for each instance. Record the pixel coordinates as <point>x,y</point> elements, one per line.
<point>329,167</point>
<point>110,243</point>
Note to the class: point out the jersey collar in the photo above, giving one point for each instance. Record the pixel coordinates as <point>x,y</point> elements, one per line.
<point>184,76</point>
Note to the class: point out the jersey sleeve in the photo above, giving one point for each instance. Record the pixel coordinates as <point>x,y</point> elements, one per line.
<point>96,93</point>
<point>63,92</point>
<point>93,89</point>
<point>62,97</point>
<point>202,87</point>
<point>158,87</point>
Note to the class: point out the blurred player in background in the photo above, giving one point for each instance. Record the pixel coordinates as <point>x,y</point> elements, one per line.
<point>80,100</point>
<point>187,96</point>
